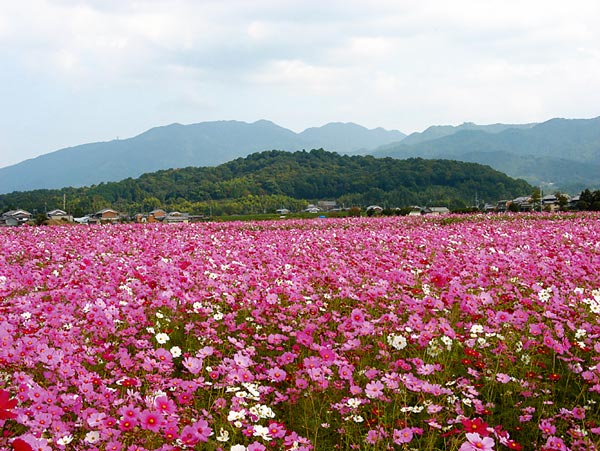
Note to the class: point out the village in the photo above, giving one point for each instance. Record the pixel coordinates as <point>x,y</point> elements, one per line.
<point>548,203</point>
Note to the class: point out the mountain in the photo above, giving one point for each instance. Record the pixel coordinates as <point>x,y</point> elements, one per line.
<point>562,153</point>
<point>176,146</point>
<point>348,137</point>
<point>277,178</point>
<point>439,131</point>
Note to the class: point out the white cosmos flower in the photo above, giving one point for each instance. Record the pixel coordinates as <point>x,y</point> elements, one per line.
<point>396,341</point>
<point>223,435</point>
<point>92,437</point>
<point>175,351</point>
<point>162,338</point>
<point>65,440</point>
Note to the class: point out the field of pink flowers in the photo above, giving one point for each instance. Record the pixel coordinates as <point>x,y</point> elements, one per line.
<point>458,333</point>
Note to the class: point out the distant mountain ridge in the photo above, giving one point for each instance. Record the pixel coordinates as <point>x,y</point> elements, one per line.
<point>561,153</point>
<point>439,131</point>
<point>177,146</point>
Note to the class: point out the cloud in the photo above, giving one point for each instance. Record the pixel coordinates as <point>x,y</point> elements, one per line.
<point>392,63</point>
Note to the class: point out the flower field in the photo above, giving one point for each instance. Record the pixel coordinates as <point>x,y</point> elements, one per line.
<point>456,333</point>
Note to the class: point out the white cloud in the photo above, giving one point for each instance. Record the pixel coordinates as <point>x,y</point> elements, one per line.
<point>393,63</point>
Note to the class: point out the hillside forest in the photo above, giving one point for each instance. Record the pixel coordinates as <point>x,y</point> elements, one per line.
<point>266,181</point>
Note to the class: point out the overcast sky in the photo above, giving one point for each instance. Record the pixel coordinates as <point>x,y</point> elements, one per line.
<point>78,71</point>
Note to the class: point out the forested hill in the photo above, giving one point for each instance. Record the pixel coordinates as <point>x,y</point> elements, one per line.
<point>272,178</point>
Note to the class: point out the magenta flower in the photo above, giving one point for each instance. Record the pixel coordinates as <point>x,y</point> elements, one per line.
<point>189,436</point>
<point>402,436</point>
<point>556,444</point>
<point>476,442</point>
<point>151,420</point>
<point>203,430</point>
<point>357,316</point>
<point>165,405</point>
<point>547,427</point>
<point>276,430</point>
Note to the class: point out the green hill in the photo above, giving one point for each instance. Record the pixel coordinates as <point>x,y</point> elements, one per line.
<point>275,179</point>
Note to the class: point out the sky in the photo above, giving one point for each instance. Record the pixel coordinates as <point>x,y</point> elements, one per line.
<point>80,71</point>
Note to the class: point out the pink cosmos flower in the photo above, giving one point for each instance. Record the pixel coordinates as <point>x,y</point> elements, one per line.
<point>357,316</point>
<point>129,412</point>
<point>276,374</point>
<point>165,405</point>
<point>476,442</point>
<point>203,430</point>
<point>151,420</point>
<point>193,364</point>
<point>547,427</point>
<point>402,436</point>
<point>556,444</point>
<point>276,430</point>
<point>113,446</point>
<point>374,389</point>
<point>286,358</point>
<point>327,355</point>
<point>503,378</point>
<point>189,436</point>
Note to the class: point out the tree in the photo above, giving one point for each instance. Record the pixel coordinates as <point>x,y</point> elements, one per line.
<point>536,198</point>
<point>150,203</point>
<point>562,200</point>
<point>40,219</point>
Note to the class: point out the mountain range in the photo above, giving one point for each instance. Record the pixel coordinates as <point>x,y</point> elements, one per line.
<point>561,154</point>
<point>178,146</point>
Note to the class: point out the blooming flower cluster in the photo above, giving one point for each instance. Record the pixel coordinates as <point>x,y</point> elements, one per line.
<point>463,333</point>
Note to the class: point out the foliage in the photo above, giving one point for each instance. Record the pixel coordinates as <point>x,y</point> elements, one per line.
<point>266,181</point>
<point>589,200</point>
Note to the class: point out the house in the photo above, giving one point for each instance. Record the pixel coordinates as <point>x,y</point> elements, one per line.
<point>523,202</point>
<point>312,209</point>
<point>157,215</point>
<point>82,219</point>
<point>282,211</point>
<point>175,217</point>
<point>327,205</point>
<point>573,201</point>
<point>59,215</point>
<point>502,205</point>
<point>551,202</point>
<point>436,211</point>
<point>105,216</point>
<point>15,217</point>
